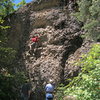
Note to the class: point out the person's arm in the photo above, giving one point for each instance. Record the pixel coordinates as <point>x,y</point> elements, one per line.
<point>29,93</point>
<point>29,90</point>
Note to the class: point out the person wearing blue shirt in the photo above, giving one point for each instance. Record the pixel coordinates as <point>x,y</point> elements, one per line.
<point>49,88</point>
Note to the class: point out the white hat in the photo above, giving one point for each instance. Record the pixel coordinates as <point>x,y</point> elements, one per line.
<point>50,80</point>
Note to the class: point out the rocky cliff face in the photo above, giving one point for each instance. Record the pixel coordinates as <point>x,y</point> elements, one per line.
<point>58,47</point>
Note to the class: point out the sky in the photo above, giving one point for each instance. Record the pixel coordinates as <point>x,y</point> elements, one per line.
<point>17,1</point>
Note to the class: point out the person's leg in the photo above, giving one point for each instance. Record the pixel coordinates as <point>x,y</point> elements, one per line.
<point>46,98</point>
<point>25,98</point>
<point>32,47</point>
<point>22,96</point>
<point>49,96</point>
<point>50,99</point>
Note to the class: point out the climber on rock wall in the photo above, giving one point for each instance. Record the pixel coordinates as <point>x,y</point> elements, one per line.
<point>33,44</point>
<point>49,88</point>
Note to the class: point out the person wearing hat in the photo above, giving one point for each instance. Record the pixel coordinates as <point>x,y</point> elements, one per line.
<point>49,88</point>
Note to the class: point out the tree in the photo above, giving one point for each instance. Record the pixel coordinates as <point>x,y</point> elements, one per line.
<point>23,2</point>
<point>6,7</point>
<point>86,86</point>
<point>89,14</point>
<point>9,80</point>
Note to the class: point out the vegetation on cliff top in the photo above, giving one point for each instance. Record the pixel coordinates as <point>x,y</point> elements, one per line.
<point>89,14</point>
<point>8,6</point>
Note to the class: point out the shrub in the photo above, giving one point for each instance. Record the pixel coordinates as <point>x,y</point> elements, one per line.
<point>89,12</point>
<point>87,85</point>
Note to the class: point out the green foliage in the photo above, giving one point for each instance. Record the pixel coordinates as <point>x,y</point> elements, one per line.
<point>87,85</point>
<point>23,2</point>
<point>6,7</point>
<point>6,54</point>
<point>92,59</point>
<point>10,81</point>
<point>60,92</point>
<point>10,85</point>
<point>89,13</point>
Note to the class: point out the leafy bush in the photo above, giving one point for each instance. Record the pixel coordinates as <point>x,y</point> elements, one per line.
<point>20,4</point>
<point>6,7</point>
<point>9,81</point>
<point>89,13</point>
<point>10,85</point>
<point>87,85</point>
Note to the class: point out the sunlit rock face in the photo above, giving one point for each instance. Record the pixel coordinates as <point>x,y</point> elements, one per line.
<point>58,47</point>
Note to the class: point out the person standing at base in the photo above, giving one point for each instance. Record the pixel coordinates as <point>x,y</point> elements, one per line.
<point>26,90</point>
<point>49,88</point>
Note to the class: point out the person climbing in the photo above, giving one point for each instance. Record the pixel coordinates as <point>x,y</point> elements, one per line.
<point>49,88</point>
<point>33,44</point>
<point>26,90</point>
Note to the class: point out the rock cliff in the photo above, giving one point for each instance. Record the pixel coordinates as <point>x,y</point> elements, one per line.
<point>59,45</point>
